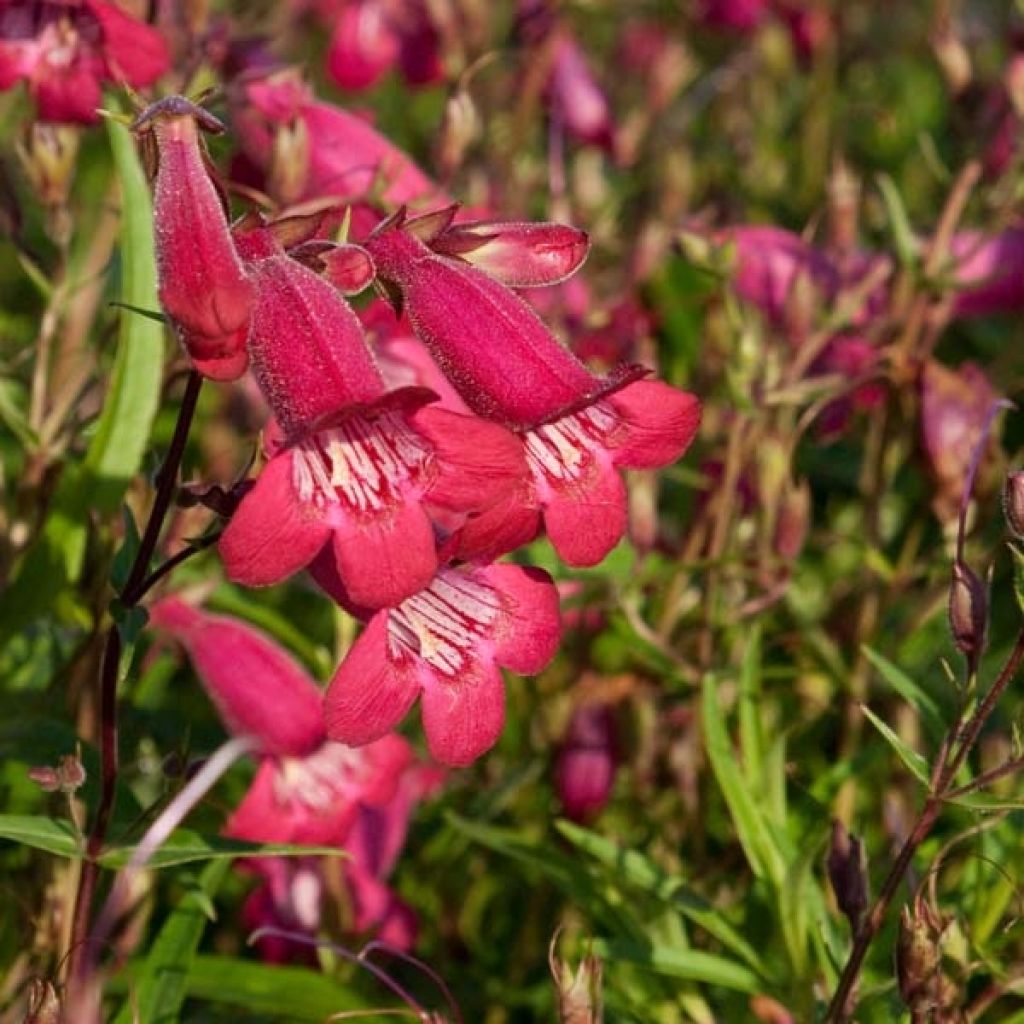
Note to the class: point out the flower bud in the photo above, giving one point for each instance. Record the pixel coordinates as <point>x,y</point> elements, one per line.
<point>579,995</point>
<point>45,778</point>
<point>47,152</point>
<point>1013,502</point>
<point>517,255</point>
<point>585,770</point>
<point>968,609</point>
<point>460,127</point>
<point>794,519</point>
<point>203,286</point>
<point>848,874</point>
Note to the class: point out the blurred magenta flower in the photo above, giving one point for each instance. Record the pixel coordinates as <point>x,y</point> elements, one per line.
<point>363,475</point>
<point>445,644</point>
<point>203,286</point>
<point>577,100</point>
<point>586,762</point>
<point>329,152</point>
<point>370,37</point>
<point>954,407</point>
<point>64,50</point>
<point>577,429</point>
<point>988,272</point>
<point>733,15</point>
<point>849,357</point>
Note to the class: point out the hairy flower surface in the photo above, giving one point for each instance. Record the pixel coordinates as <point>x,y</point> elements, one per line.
<point>64,50</point>
<point>202,284</point>
<point>364,475</point>
<point>577,429</point>
<point>445,645</point>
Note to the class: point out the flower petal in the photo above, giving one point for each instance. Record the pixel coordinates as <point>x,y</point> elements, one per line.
<point>384,560</point>
<point>134,50</point>
<point>586,518</point>
<point>463,718</point>
<point>530,627</point>
<point>272,533</point>
<point>371,692</point>
<point>660,422</point>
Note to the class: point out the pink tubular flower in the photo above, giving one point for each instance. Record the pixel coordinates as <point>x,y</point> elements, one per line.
<point>363,476</point>
<point>577,429</point>
<point>576,99</point>
<point>203,286</point>
<point>740,16</point>
<point>336,153</point>
<point>445,644</point>
<point>585,769</point>
<point>65,49</point>
<point>372,36</point>
<point>988,272</point>
<point>306,788</point>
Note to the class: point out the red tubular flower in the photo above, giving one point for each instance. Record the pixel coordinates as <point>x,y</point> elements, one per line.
<point>576,429</point>
<point>307,788</point>
<point>203,287</point>
<point>363,45</point>
<point>363,476</point>
<point>65,49</point>
<point>445,644</point>
<point>344,157</point>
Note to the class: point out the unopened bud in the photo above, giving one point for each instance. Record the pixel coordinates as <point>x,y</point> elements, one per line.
<point>70,773</point>
<point>968,610</point>
<point>579,995</point>
<point>585,770</point>
<point>460,127</point>
<point>794,519</point>
<point>848,873</point>
<point>917,957</point>
<point>48,153</point>
<point>1013,502</point>
<point>45,778</point>
<point>289,162</point>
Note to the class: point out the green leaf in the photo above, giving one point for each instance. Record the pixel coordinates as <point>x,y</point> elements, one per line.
<point>751,732</point>
<point>899,223</point>
<point>53,835</point>
<point>125,554</point>
<point>117,447</point>
<point>691,964</point>
<point>160,985</point>
<point>1018,574</point>
<point>294,994</point>
<point>909,690</point>
<point>12,412</point>
<point>185,847</point>
<point>636,870</point>
<point>916,764</point>
<point>752,830</point>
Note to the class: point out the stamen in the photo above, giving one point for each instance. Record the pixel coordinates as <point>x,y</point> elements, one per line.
<point>361,464</point>
<point>560,451</point>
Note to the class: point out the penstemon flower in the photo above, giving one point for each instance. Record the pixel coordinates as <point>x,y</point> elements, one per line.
<point>365,476</point>
<point>577,430</point>
<point>64,51</point>
<point>445,645</point>
<point>203,286</point>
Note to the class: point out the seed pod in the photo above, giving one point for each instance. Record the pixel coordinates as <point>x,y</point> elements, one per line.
<point>968,609</point>
<point>1013,502</point>
<point>847,873</point>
